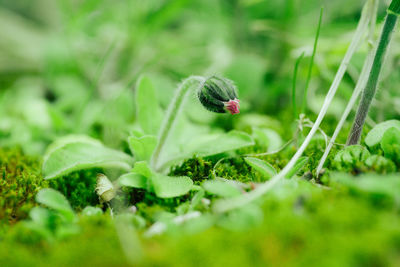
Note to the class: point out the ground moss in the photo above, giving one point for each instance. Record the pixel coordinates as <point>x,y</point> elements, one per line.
<point>78,187</point>
<point>197,168</point>
<point>317,228</point>
<point>20,180</point>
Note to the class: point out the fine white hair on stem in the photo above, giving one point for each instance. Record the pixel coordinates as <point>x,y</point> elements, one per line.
<point>232,203</point>
<point>172,113</point>
<point>362,81</point>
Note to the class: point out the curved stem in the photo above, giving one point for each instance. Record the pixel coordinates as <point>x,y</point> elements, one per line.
<point>172,113</point>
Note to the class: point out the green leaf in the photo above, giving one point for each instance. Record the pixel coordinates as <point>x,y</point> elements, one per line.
<point>268,138</point>
<point>243,218</point>
<point>223,143</point>
<point>149,113</point>
<point>142,147</point>
<point>351,155</point>
<point>370,183</point>
<point>65,157</point>
<point>67,140</point>
<point>40,215</point>
<point>143,168</point>
<point>54,200</point>
<point>135,180</point>
<point>91,211</point>
<point>374,136</point>
<point>266,169</point>
<point>211,145</point>
<point>220,188</point>
<point>380,164</point>
<point>300,163</point>
<point>168,186</point>
<point>391,144</point>
<point>196,200</point>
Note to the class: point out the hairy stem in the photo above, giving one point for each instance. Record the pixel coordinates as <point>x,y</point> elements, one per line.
<point>370,88</point>
<point>362,80</point>
<point>229,204</point>
<point>172,114</point>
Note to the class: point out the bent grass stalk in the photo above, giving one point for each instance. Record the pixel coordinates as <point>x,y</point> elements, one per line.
<point>370,89</point>
<point>362,80</point>
<point>233,203</point>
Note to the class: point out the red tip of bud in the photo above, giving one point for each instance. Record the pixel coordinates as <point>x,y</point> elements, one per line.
<point>233,106</point>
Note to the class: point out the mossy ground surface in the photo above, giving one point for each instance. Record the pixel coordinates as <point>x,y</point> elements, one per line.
<point>306,226</point>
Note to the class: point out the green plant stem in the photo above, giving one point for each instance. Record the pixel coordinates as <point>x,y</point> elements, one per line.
<point>225,205</point>
<point>370,88</point>
<point>304,102</point>
<point>361,82</point>
<point>172,114</point>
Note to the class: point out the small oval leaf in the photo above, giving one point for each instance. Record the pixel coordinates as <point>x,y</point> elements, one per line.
<point>55,200</point>
<point>168,186</point>
<point>266,169</point>
<point>135,180</point>
<point>300,163</point>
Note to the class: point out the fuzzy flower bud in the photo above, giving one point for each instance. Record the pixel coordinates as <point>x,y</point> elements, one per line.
<point>219,95</point>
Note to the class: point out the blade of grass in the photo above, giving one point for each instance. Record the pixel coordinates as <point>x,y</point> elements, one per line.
<point>296,67</point>
<point>304,102</point>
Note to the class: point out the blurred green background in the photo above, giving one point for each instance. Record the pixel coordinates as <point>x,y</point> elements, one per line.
<point>71,66</point>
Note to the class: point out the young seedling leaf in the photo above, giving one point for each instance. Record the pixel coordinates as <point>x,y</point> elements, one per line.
<point>301,162</point>
<point>149,113</point>
<point>266,169</point>
<point>168,186</point>
<point>69,157</point>
<point>374,136</point>
<point>142,147</point>
<point>221,188</point>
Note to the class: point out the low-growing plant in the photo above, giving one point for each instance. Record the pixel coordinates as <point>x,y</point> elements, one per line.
<point>151,154</point>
